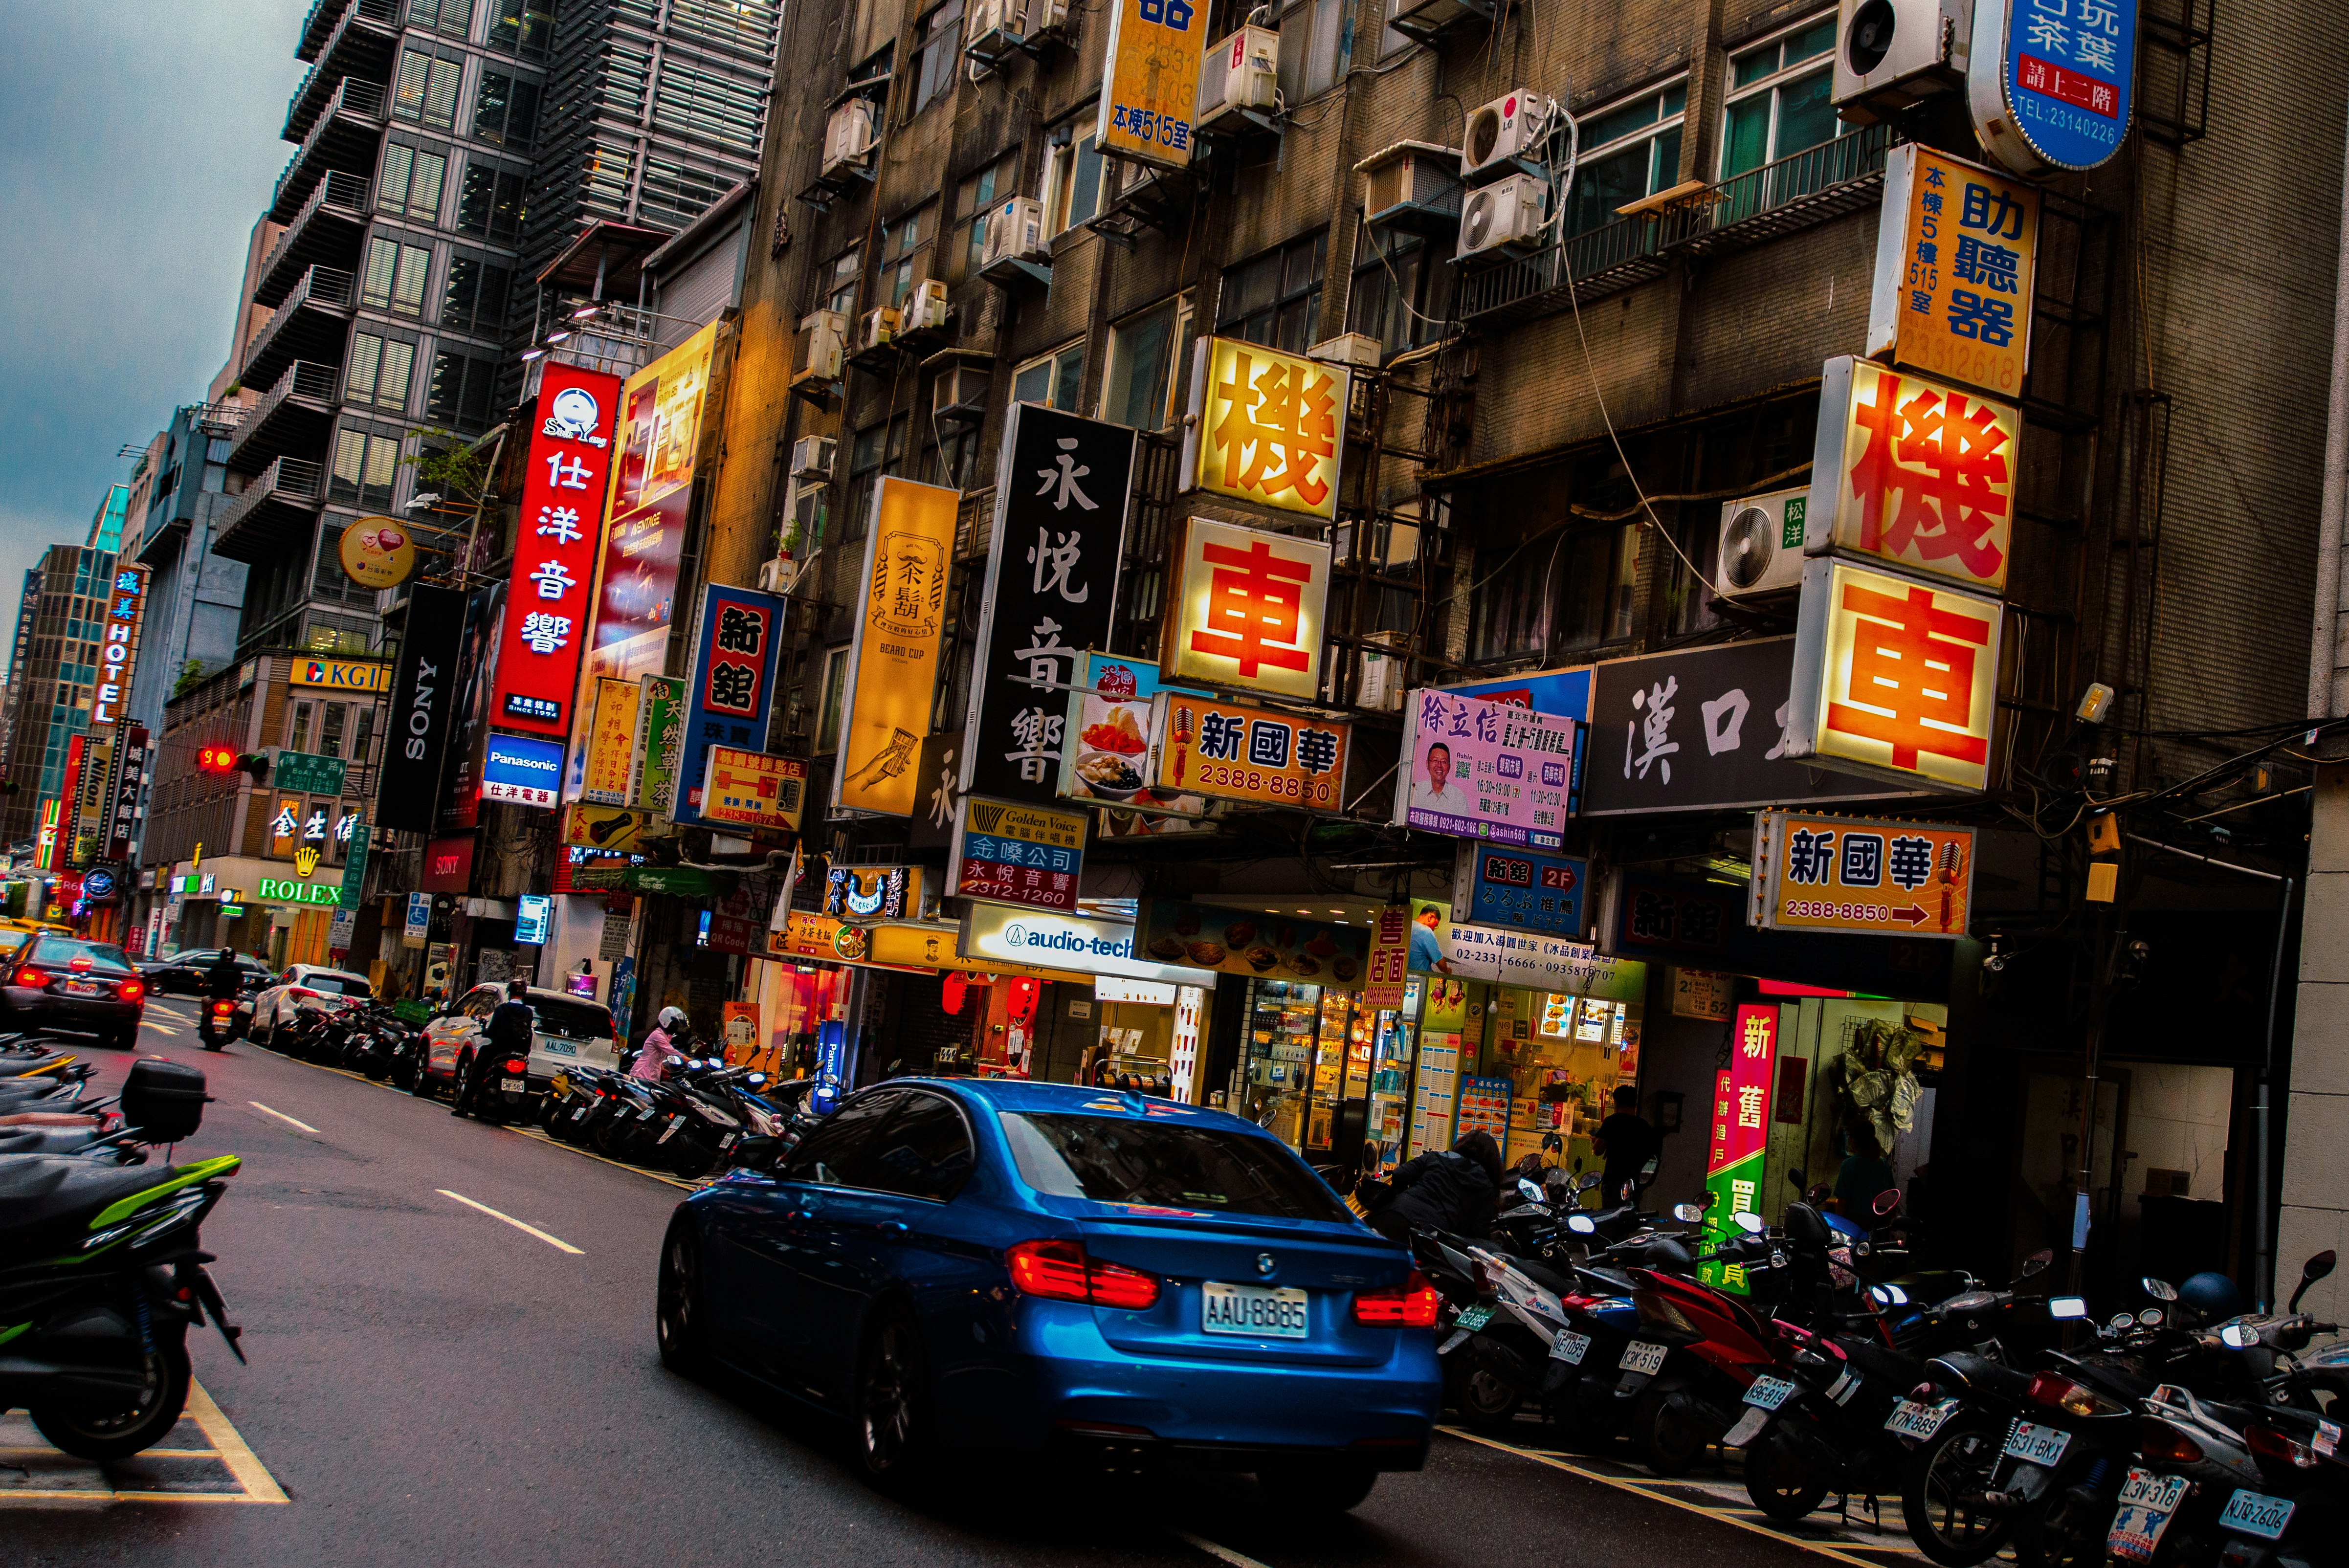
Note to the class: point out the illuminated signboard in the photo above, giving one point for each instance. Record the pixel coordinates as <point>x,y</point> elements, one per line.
<point>892,663</point>
<point>1265,425</point>
<point>1249,608</point>
<point>118,648</point>
<point>547,595</point>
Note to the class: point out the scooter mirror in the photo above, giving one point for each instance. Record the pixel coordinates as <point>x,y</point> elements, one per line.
<point>1795,1178</point>
<point>1529,1189</point>
<point>1749,1222</point>
<point>1687,1213</point>
<point>2314,1269</point>
<point>2159,1289</point>
<point>2239,1337</point>
<point>1887,1295</point>
<point>1582,1225</point>
<point>756,1080</point>
<point>2037,1263</point>
<point>1885,1201</point>
<point>1586,1181</point>
<point>2067,1306</point>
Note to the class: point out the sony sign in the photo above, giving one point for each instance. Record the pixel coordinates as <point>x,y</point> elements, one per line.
<point>423,700</point>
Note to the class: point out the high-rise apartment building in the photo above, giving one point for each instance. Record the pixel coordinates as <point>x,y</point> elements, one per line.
<point>54,673</point>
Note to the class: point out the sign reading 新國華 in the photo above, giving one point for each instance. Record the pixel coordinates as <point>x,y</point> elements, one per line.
<point>1914,472</point>
<point>2049,82</point>
<point>547,595</point>
<point>1741,1108</point>
<point>1894,678</point>
<point>1150,88</point>
<point>1482,769</point>
<point>1813,872</point>
<point>1956,256</point>
<point>521,770</point>
<point>1264,426</point>
<point>1206,745</point>
<point>1247,606</point>
<point>893,660</point>
<point>1520,888</point>
<point>1007,853</point>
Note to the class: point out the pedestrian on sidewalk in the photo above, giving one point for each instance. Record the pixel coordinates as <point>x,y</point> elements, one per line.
<point>1627,1143</point>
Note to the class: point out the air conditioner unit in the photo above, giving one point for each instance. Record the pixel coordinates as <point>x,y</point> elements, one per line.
<point>1412,185</point>
<point>1761,544</point>
<point>1507,128</point>
<point>777,576</point>
<point>1504,218</point>
<point>989,35</point>
<point>1892,54</point>
<point>1239,76</point>
<point>812,457</point>
<point>959,395</point>
<point>1041,17</point>
<point>1380,687</point>
<point>1015,232</point>
<point>1358,349</point>
<point>926,310</point>
<point>823,344</point>
<point>877,330</point>
<point>847,136</point>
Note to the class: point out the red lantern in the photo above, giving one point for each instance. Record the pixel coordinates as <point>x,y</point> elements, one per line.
<point>1023,1006</point>
<point>950,996</point>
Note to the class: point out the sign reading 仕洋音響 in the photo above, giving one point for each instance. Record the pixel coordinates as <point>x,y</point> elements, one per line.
<point>1956,257</point>
<point>1247,609</point>
<point>1266,427</point>
<point>1481,770</point>
<point>562,495</point>
<point>1008,853</point>
<point>1859,874</point>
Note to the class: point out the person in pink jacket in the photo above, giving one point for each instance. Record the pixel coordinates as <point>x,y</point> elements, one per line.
<point>659,1048</point>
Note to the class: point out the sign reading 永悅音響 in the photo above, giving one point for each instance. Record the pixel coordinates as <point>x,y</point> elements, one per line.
<point>1481,770</point>
<point>1246,610</point>
<point>563,495</point>
<point>1895,679</point>
<point>1956,258</point>
<point>1700,729</point>
<point>2049,81</point>
<point>893,661</point>
<point>1239,751</point>
<point>1913,472</point>
<point>1266,427</point>
<point>1006,852</point>
<point>1150,84</point>
<point>1520,888</point>
<point>730,690</point>
<point>1062,489</point>
<point>1860,874</point>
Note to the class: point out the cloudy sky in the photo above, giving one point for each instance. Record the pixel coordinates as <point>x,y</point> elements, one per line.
<point>137,143</point>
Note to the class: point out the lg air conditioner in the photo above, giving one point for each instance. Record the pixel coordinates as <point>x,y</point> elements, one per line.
<point>1892,54</point>
<point>812,457</point>
<point>877,330</point>
<point>847,136</point>
<point>1507,128</point>
<point>926,309</point>
<point>1015,232</point>
<point>1504,218</point>
<point>1761,544</point>
<point>823,344</point>
<point>1239,77</point>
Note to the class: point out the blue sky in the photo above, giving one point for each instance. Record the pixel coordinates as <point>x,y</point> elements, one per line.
<point>137,143</point>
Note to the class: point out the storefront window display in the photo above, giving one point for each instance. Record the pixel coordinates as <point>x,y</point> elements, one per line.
<point>1538,1069</point>
<point>1283,1030</point>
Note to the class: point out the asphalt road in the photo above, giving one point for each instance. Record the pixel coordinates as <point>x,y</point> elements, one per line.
<point>431,1383</point>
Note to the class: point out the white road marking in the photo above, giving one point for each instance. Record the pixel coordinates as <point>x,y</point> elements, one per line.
<point>282,1116</point>
<point>1222,1554</point>
<point>555,1241</point>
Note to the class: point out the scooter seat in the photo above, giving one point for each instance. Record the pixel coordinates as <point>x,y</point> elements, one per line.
<point>1542,1274</point>
<point>47,1199</point>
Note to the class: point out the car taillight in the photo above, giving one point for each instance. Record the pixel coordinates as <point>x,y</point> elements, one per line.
<point>1060,1271</point>
<point>37,979</point>
<point>1411,1307</point>
<point>2063,1394</point>
<point>2165,1444</point>
<point>515,1064</point>
<point>2271,1444</point>
<point>131,990</point>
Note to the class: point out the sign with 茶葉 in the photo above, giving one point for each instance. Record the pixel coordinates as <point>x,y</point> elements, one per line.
<point>1239,751</point>
<point>1858,874</point>
<point>1264,426</point>
<point>1895,679</point>
<point>1513,887</point>
<point>1008,853</point>
<point>2050,82</point>
<point>893,660</point>
<point>1483,769</point>
<point>1150,88</point>
<point>1913,472</point>
<point>1247,609</point>
<point>1956,263</point>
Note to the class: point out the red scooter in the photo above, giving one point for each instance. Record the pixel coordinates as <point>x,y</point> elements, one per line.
<point>1700,1349</point>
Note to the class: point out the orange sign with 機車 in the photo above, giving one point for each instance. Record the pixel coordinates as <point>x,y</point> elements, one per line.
<point>1913,472</point>
<point>1266,427</point>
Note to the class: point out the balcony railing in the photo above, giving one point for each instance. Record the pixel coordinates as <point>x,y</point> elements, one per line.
<point>342,194</point>
<point>1811,187</point>
<point>304,379</point>
<point>329,287</point>
<point>291,481</point>
<point>358,98</point>
<point>379,17</point>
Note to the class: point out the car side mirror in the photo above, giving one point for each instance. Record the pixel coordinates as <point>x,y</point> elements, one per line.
<point>758,1149</point>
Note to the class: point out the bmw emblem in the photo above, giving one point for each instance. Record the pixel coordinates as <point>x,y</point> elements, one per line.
<point>1265,1263</point>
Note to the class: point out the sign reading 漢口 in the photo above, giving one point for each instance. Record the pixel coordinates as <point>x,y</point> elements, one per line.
<point>1481,770</point>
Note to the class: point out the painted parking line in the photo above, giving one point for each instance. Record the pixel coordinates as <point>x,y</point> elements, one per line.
<point>1220,1553</point>
<point>224,1470</point>
<point>290,1122</point>
<point>555,1241</point>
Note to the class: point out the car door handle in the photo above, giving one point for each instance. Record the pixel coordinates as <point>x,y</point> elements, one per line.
<point>893,1227</point>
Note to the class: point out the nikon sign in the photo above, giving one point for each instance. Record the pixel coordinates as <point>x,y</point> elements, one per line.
<point>324,894</point>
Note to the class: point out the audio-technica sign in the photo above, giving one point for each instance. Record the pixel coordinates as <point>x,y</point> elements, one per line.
<point>1043,940</point>
<point>326,895</point>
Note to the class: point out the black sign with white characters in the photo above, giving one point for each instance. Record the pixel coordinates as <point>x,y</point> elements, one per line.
<point>423,700</point>
<point>1061,489</point>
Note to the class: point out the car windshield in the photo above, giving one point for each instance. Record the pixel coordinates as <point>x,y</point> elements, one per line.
<point>571,1020</point>
<point>340,984</point>
<point>1112,1160</point>
<point>68,951</point>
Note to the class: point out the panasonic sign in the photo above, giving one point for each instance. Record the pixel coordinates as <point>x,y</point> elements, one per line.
<point>1041,940</point>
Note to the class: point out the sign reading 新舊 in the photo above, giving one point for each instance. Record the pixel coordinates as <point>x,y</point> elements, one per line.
<point>1265,425</point>
<point>1481,770</point>
<point>1741,1106</point>
<point>1205,746</point>
<point>1858,874</point>
<point>1956,258</point>
<point>2049,81</point>
<point>1007,852</point>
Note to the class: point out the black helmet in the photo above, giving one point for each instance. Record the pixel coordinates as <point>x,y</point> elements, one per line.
<point>2212,1295</point>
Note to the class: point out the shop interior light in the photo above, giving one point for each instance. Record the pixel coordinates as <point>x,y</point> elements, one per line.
<point>587,313</point>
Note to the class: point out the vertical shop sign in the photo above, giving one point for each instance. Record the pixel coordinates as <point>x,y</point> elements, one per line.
<point>1062,490</point>
<point>611,748</point>
<point>660,415</point>
<point>422,701</point>
<point>893,664</point>
<point>77,749</point>
<point>1390,959</point>
<point>354,860</point>
<point>1266,427</point>
<point>1956,254</point>
<point>658,753</point>
<point>1152,81</point>
<point>1741,1109</point>
<point>2049,81</point>
<point>733,676</point>
<point>1247,609</point>
<point>118,647</point>
<point>129,782</point>
<point>555,552</point>
<point>461,802</point>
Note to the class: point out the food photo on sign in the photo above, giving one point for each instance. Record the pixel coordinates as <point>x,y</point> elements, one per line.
<point>1242,942</point>
<point>1110,716</point>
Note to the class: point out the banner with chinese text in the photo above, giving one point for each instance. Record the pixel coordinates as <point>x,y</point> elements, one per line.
<point>1955,265</point>
<point>893,662</point>
<point>752,791</point>
<point>1741,1108</point>
<point>1151,84</point>
<point>547,592</point>
<point>1206,745</point>
<point>658,754</point>
<point>611,748</point>
<point>1009,852</point>
<point>1463,950</point>
<point>1265,425</point>
<point>728,693</point>
<point>1247,607</point>
<point>1483,769</point>
<point>1858,874</point>
<point>2049,83</point>
<point>1520,888</point>
<point>1390,969</point>
<point>118,648</point>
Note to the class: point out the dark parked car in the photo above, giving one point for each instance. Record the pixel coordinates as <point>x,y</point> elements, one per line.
<point>190,974</point>
<point>64,983</point>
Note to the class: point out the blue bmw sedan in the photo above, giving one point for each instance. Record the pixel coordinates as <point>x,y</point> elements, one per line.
<point>968,1267</point>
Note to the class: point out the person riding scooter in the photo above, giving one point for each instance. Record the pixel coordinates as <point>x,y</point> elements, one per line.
<point>670,1034</point>
<point>223,982</point>
<point>507,1035</point>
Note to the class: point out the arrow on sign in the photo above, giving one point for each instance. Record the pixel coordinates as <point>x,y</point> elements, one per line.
<point>1912,914</point>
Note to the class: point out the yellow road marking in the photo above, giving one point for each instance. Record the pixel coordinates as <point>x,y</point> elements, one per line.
<point>555,1241</point>
<point>243,1463</point>
<point>542,1136</point>
<point>1222,1554</point>
<point>229,1447</point>
<point>282,1116</point>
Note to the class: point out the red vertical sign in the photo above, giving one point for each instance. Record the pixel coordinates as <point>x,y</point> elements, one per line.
<point>1390,959</point>
<point>1741,1116</point>
<point>547,599</point>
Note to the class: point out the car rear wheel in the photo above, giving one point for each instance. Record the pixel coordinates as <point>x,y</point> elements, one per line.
<point>677,1312</point>
<point>894,1440</point>
<point>1325,1486</point>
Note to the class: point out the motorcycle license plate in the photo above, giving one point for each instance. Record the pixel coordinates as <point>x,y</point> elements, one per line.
<point>1569,1346</point>
<point>2036,1445</point>
<point>1260,1312</point>
<point>2255,1513</point>
<point>2146,1502</point>
<point>667,1133</point>
<point>514,1086</point>
<point>1475,1318</point>
<point>1768,1393</point>
<point>1645,1358</point>
<point>1911,1419</point>
<point>728,1141</point>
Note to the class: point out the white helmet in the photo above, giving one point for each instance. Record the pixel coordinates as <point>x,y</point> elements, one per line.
<point>671,1020</point>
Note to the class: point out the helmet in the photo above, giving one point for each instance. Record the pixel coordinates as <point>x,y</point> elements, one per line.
<point>671,1020</point>
<point>2211,1294</point>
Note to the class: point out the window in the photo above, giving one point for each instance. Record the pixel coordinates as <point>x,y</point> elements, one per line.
<point>454,18</point>
<point>505,110</point>
<point>1276,299</point>
<point>840,280</point>
<point>975,198</point>
<point>879,449</point>
<point>1312,39</point>
<point>835,682</point>
<point>475,298</point>
<point>380,370</point>
<point>949,463</point>
<point>936,54</point>
<point>1113,1159</point>
<point>924,1151</point>
<point>1401,291</point>
<point>1778,103</point>
<point>366,462</point>
<point>395,276</point>
<point>334,716</point>
<point>840,1151</point>
<point>899,240</point>
<point>520,25</point>
<point>1139,390</point>
<point>297,736</point>
<point>460,395</point>
<point>426,92</point>
<point>410,183</point>
<point>1630,152</point>
<point>491,203</point>
<point>1072,183</point>
<point>1054,379</point>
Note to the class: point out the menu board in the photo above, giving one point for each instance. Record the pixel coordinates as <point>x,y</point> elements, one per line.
<point>1484,1107</point>
<point>1438,1087</point>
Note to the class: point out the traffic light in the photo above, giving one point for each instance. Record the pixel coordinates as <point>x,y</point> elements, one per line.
<point>216,760</point>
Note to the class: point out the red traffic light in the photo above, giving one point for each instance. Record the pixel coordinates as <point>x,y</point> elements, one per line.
<point>216,760</point>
